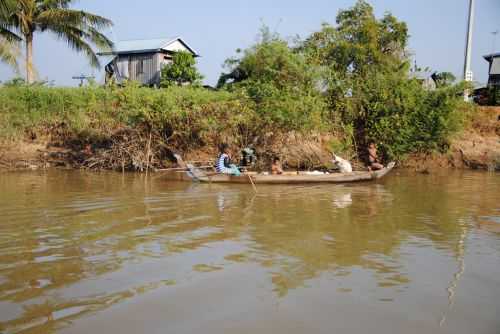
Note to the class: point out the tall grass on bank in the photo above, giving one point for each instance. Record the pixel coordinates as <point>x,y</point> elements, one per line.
<point>119,122</point>
<point>187,118</point>
<point>98,111</point>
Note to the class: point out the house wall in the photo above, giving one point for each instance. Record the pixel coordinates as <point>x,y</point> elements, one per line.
<point>494,80</point>
<point>144,67</point>
<point>429,84</point>
<point>129,67</point>
<point>141,67</point>
<point>176,46</point>
<point>494,73</point>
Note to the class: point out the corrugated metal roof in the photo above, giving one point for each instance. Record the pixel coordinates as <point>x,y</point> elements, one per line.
<point>491,56</point>
<point>142,44</point>
<point>145,45</point>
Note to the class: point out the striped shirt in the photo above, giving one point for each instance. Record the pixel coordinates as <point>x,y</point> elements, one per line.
<point>222,166</point>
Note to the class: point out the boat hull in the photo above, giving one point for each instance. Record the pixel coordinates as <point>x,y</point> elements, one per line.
<point>288,178</point>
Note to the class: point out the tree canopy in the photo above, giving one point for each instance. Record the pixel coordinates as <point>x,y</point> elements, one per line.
<point>444,79</point>
<point>181,71</point>
<point>354,76</point>
<point>279,80</point>
<point>79,29</point>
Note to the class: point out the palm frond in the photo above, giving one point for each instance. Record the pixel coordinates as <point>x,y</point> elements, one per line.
<point>71,17</point>
<point>6,24</point>
<point>7,34</point>
<point>6,5</point>
<point>9,52</point>
<point>101,41</point>
<point>48,4</point>
<point>76,39</point>
<point>79,29</point>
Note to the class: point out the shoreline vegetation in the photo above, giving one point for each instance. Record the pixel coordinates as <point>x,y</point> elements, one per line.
<point>134,129</point>
<point>301,100</point>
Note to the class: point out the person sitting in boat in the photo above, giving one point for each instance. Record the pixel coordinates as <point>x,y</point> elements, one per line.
<point>343,165</point>
<point>276,168</point>
<point>248,157</point>
<point>373,159</point>
<point>224,165</point>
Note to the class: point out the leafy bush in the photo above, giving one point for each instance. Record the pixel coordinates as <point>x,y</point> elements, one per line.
<point>280,82</point>
<point>365,70</point>
<point>181,71</point>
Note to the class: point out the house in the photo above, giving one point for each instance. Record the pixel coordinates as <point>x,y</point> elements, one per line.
<point>142,60</point>
<point>494,70</point>
<point>426,78</point>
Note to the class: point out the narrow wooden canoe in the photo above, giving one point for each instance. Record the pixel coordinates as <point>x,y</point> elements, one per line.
<point>289,178</point>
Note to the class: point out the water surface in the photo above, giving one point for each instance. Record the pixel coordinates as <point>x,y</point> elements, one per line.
<point>111,253</point>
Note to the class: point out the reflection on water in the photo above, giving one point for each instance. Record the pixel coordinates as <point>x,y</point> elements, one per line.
<point>76,245</point>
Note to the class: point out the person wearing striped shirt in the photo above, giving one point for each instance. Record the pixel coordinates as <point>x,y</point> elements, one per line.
<point>224,165</point>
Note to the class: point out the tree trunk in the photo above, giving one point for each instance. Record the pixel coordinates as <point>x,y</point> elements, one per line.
<point>29,58</point>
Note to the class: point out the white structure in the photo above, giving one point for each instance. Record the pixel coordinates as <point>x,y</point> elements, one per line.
<point>468,44</point>
<point>142,60</point>
<point>426,78</point>
<point>494,69</point>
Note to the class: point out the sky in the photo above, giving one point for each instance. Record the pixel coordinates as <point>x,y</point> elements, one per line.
<point>215,29</point>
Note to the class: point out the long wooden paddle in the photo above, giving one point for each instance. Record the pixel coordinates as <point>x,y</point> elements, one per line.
<point>253,184</point>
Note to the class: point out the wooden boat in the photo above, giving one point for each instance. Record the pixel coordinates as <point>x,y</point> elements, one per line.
<point>286,178</point>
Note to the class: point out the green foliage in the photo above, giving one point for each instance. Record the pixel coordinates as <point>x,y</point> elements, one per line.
<point>444,79</point>
<point>279,81</point>
<point>15,82</point>
<point>181,71</point>
<point>190,116</point>
<point>406,118</point>
<point>365,72</point>
<point>79,29</point>
<point>359,44</point>
<point>9,41</point>
<point>9,52</point>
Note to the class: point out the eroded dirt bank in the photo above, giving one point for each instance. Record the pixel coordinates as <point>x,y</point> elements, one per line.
<point>477,147</point>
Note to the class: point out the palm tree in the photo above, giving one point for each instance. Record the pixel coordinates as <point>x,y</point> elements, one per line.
<point>9,41</point>
<point>81,30</point>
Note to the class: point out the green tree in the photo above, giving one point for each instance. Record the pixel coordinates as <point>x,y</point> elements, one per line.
<point>444,79</point>
<point>366,75</point>
<point>81,30</point>
<point>279,80</point>
<point>272,60</point>
<point>182,70</point>
<point>358,47</point>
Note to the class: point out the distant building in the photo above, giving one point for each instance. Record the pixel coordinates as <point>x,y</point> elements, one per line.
<point>426,78</point>
<point>142,60</point>
<point>494,70</point>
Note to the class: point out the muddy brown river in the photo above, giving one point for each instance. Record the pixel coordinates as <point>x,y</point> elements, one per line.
<point>125,253</point>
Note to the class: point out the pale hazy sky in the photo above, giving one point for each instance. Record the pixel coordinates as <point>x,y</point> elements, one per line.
<point>217,28</point>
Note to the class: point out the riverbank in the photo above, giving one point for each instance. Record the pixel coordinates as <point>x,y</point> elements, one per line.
<point>477,146</point>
